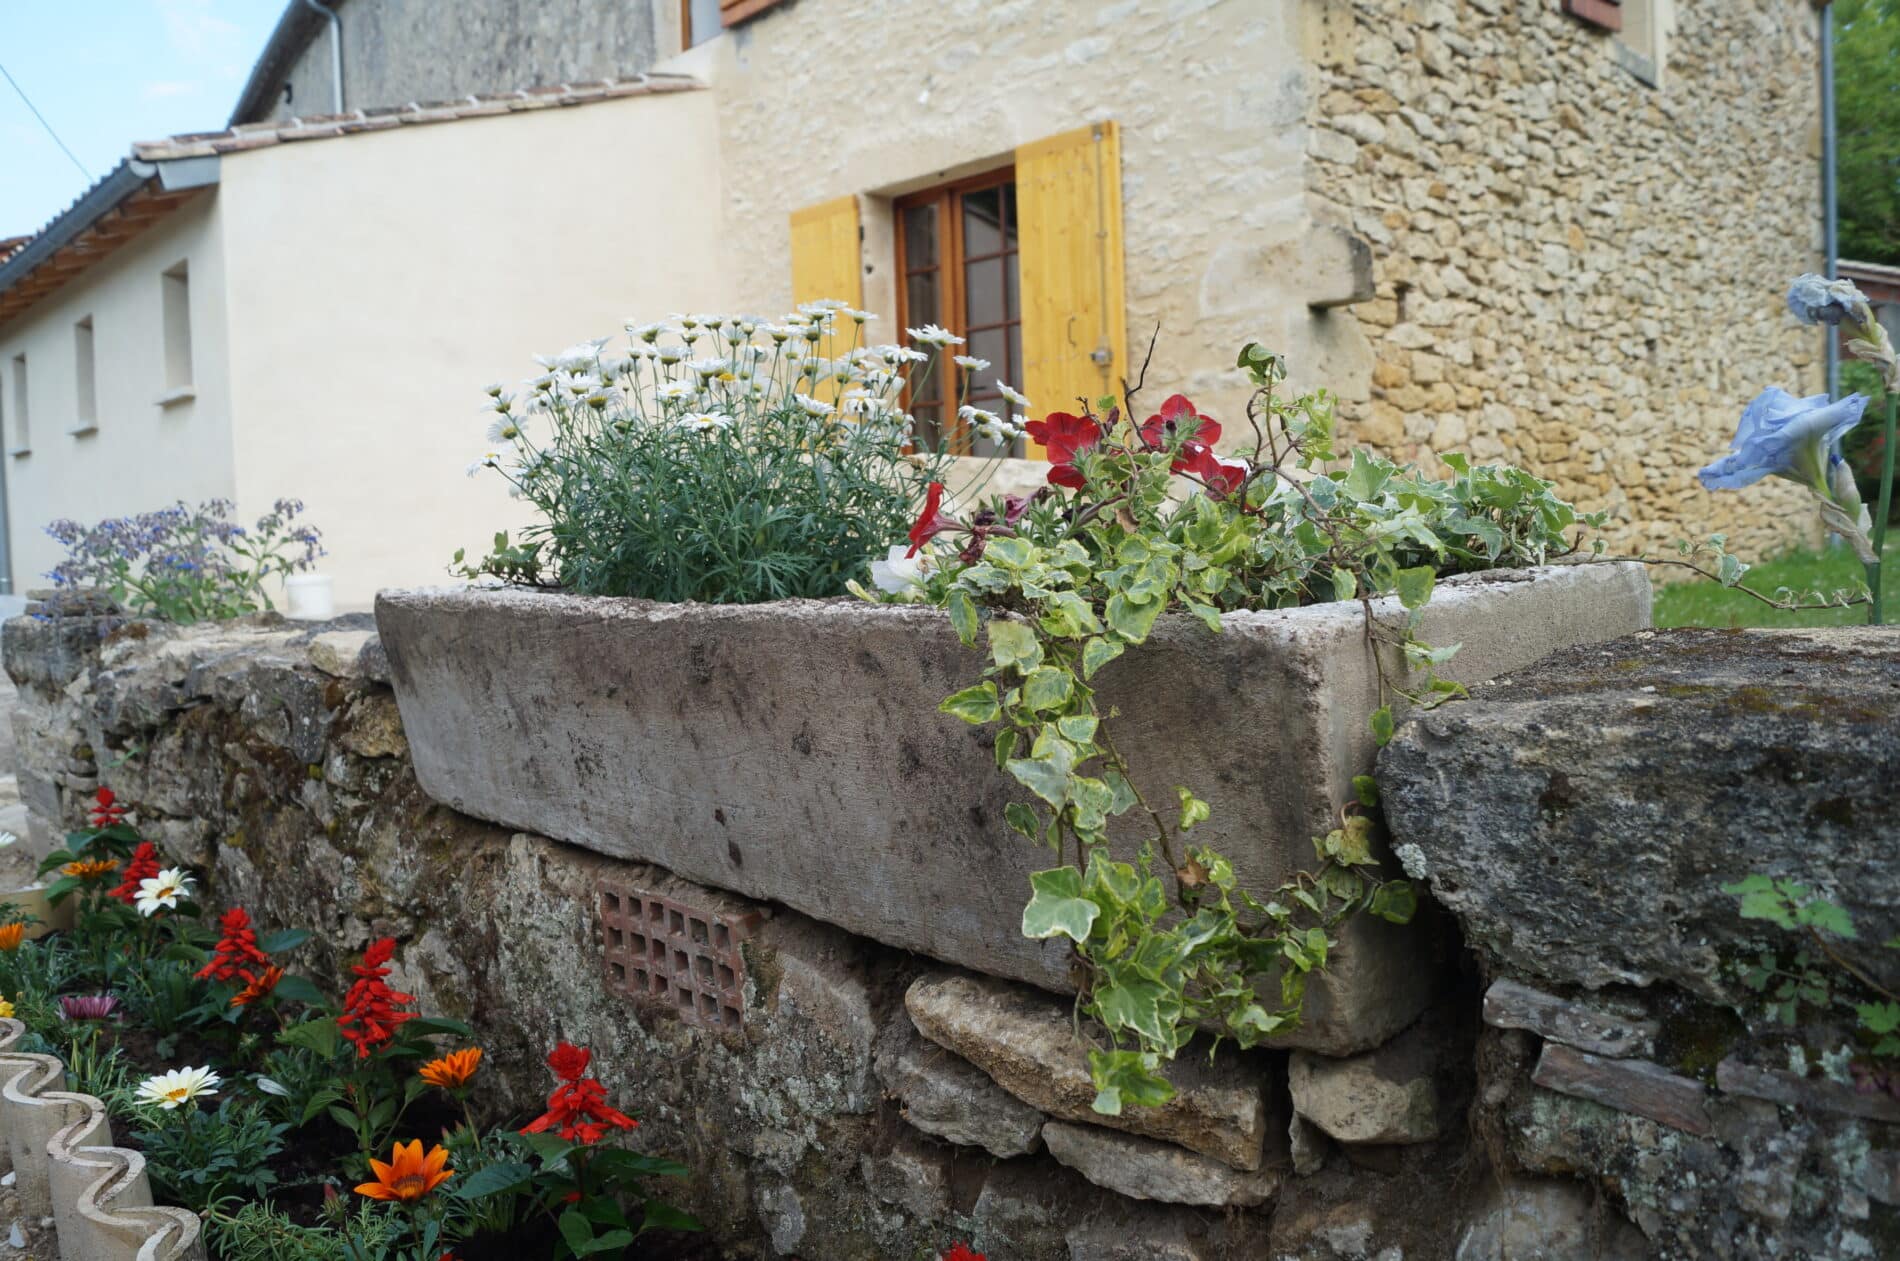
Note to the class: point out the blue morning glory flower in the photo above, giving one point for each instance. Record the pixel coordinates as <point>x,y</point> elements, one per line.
<point>1785,436</point>
<point>1817,300</point>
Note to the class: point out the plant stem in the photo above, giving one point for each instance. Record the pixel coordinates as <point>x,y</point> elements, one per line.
<point>1876,614</point>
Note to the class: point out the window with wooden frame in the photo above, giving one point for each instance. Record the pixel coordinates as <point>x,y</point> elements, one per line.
<point>733,12</point>
<point>957,267</point>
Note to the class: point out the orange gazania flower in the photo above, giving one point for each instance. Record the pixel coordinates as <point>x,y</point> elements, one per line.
<point>409,1175</point>
<point>11,935</point>
<point>452,1071</point>
<point>89,868</point>
<point>256,986</point>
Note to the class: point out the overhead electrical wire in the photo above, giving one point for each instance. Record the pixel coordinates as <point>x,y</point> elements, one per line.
<point>49,127</point>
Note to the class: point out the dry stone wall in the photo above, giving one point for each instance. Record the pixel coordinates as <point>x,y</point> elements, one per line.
<point>1577,271</point>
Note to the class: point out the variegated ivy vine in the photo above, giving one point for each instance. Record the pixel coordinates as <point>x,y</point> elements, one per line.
<point>1060,584</point>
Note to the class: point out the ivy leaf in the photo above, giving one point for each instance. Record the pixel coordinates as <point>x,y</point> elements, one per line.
<point>1021,816</point>
<point>1394,900</point>
<point>1193,809</point>
<point>1381,723</point>
<point>1079,728</point>
<point>1005,746</point>
<point>1058,908</point>
<point>1209,615</point>
<point>1013,645</point>
<point>1046,776</point>
<point>963,616</point>
<point>1134,1005</point>
<point>1131,620</point>
<point>1097,653</point>
<point>1415,585</point>
<point>1046,688</point>
<point>1366,789</point>
<point>1345,586</point>
<point>974,705</point>
<point>1127,1077</point>
<point>1368,476</point>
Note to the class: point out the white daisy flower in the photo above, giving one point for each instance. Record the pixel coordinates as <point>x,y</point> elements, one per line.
<point>499,403</point>
<point>576,358</point>
<point>705,422</point>
<point>650,333</point>
<point>977,416</point>
<point>161,892</point>
<point>179,1087</point>
<point>711,367</point>
<point>815,406</point>
<point>492,389</point>
<point>675,391</point>
<point>1009,392</point>
<point>970,363</point>
<point>856,316</point>
<point>905,354</point>
<point>931,335</point>
<point>822,308</point>
<point>491,458</point>
<point>503,430</point>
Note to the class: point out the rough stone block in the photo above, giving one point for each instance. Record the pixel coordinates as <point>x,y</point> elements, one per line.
<point>1143,1169</point>
<point>794,751</point>
<point>1547,1221</point>
<point>1635,1086</point>
<point>1510,1004</point>
<point>946,1096</point>
<point>1385,1096</point>
<point>1026,1042</point>
<point>1807,1094</point>
<point>1581,816</point>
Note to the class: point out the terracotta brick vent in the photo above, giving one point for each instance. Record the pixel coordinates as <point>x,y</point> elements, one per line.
<point>663,950</point>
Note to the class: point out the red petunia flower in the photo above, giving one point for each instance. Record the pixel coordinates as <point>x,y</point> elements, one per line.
<point>237,951</point>
<point>1179,421</point>
<point>960,1251</point>
<point>1222,477</point>
<point>370,1014</point>
<point>578,1109</point>
<point>931,522</point>
<point>143,866</point>
<point>1062,436</point>
<point>105,809</point>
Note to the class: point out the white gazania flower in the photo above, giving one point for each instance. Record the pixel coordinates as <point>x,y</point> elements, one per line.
<point>931,335</point>
<point>1009,392</point>
<point>178,1087</point>
<point>705,422</point>
<point>491,458</point>
<point>271,1087</point>
<point>898,573</point>
<point>815,406</point>
<point>970,363</point>
<point>161,892</point>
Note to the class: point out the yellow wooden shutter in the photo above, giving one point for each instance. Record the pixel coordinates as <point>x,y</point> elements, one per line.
<point>1069,225</point>
<point>827,262</point>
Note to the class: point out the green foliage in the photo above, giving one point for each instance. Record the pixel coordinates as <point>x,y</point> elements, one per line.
<point>256,1230</point>
<point>710,464</point>
<point>1867,103</point>
<point>585,1189</point>
<point>1171,942</point>
<point>1817,977</point>
<point>197,1158</point>
<point>1815,577</point>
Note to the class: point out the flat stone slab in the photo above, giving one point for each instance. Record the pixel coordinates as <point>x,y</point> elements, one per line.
<point>947,1097</point>
<point>1385,1096</point>
<point>794,752</point>
<point>1635,1086</point>
<point>1025,1041</point>
<point>1581,816</point>
<point>1806,1093</point>
<point>1511,1004</point>
<point>1143,1169</point>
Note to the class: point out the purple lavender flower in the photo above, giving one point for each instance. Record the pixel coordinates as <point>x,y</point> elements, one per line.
<point>88,1007</point>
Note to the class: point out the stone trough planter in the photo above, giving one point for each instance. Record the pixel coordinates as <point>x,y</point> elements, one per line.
<point>46,916</point>
<point>59,1145</point>
<point>793,752</point>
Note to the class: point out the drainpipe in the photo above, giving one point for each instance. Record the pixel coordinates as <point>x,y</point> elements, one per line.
<point>1830,189</point>
<point>336,54</point>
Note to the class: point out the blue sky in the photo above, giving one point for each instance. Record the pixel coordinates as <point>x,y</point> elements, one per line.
<point>106,73</point>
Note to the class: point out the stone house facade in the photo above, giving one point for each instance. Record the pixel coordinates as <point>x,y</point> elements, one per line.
<point>1491,226</point>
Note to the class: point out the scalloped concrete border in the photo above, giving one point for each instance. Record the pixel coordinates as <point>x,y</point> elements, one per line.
<point>59,1145</point>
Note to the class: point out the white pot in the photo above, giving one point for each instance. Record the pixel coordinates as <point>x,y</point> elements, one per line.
<point>309,597</point>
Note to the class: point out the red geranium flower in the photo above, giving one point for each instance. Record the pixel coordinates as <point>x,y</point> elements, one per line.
<point>105,809</point>
<point>931,522</point>
<point>370,1014</point>
<point>236,951</point>
<point>1222,477</point>
<point>142,866</point>
<point>1179,421</point>
<point>1062,435</point>
<point>578,1109</point>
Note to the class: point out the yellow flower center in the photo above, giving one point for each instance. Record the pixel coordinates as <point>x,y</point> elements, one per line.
<point>178,1094</point>
<point>411,1186</point>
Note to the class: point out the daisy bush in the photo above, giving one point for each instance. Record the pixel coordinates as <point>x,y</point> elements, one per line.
<point>721,458</point>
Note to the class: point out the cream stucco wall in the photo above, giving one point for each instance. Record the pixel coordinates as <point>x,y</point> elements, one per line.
<point>378,282</point>
<point>879,97</point>
<point>141,455</point>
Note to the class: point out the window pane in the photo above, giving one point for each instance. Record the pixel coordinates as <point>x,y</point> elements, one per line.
<point>983,222</point>
<point>991,344</point>
<point>920,299</point>
<point>985,293</point>
<point>920,236</point>
<point>928,431</point>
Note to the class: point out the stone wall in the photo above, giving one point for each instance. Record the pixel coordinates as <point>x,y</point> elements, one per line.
<point>834,1098</point>
<point>1577,271</point>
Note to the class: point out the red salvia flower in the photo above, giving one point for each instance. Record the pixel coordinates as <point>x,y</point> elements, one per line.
<point>105,809</point>
<point>960,1251</point>
<point>578,1109</point>
<point>931,522</point>
<point>370,1014</point>
<point>143,866</point>
<point>1062,435</point>
<point>237,951</point>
